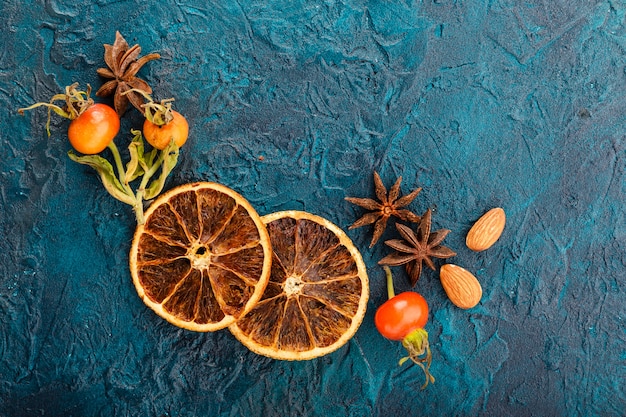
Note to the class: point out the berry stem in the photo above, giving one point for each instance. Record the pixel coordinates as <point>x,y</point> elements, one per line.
<point>117,178</point>
<point>121,172</point>
<point>138,209</point>
<point>390,291</point>
<point>137,199</point>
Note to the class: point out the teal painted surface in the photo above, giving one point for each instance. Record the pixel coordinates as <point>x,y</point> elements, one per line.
<point>483,104</point>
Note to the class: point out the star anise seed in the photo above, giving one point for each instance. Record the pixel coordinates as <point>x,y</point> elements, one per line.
<point>389,205</point>
<point>417,248</point>
<point>123,63</point>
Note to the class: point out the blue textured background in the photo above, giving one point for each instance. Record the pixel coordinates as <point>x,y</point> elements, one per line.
<point>482,103</point>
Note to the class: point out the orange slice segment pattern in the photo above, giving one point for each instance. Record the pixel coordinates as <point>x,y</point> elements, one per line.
<point>317,294</point>
<point>203,257</point>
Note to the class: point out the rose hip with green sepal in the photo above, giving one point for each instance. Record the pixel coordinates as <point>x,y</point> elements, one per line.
<point>403,317</point>
<point>93,125</point>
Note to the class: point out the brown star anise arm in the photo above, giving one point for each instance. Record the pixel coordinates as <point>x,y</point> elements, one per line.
<point>406,215</point>
<point>408,235</point>
<point>407,199</point>
<point>435,238</point>
<point>128,58</point>
<point>379,229</point>
<point>113,53</point>
<point>423,230</point>
<point>120,101</point>
<point>105,72</point>
<point>429,262</point>
<point>137,99</point>
<point>136,66</point>
<point>107,88</point>
<point>394,192</point>
<point>400,246</point>
<point>414,269</point>
<point>368,218</point>
<point>109,58</point>
<point>396,259</point>
<point>366,203</point>
<point>380,189</point>
<point>442,252</point>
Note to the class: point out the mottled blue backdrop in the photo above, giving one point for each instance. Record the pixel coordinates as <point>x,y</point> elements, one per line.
<point>294,104</point>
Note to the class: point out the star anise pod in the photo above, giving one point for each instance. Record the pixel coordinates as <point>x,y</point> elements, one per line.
<point>417,248</point>
<point>123,63</point>
<point>389,205</point>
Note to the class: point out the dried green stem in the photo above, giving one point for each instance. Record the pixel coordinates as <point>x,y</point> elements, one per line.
<point>418,348</point>
<point>117,180</point>
<point>76,102</point>
<point>157,113</point>
<point>121,172</point>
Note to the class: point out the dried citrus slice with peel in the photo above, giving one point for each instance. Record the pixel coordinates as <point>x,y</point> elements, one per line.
<point>203,257</point>
<point>317,294</point>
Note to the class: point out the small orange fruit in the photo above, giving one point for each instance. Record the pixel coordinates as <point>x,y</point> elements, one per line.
<point>317,294</point>
<point>160,136</point>
<point>203,257</point>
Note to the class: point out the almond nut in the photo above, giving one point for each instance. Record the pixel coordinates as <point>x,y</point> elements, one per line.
<point>487,230</point>
<point>462,288</point>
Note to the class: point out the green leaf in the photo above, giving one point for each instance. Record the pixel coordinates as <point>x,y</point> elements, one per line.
<point>136,166</point>
<point>107,175</point>
<point>149,158</point>
<point>169,159</point>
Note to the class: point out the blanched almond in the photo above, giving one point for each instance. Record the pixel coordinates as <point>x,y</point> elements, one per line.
<point>461,286</point>
<point>487,230</point>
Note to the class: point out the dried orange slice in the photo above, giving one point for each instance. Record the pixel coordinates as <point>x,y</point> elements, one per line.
<point>203,257</point>
<point>317,294</point>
